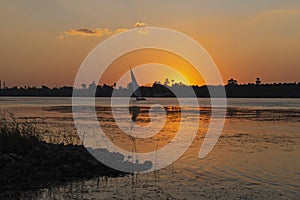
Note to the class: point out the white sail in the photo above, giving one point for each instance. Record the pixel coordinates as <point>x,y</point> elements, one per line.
<point>135,87</point>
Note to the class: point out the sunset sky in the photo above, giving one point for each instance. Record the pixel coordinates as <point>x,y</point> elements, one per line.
<point>44,42</point>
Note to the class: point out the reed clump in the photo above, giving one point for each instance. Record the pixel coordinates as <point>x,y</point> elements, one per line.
<point>28,161</point>
<point>17,137</point>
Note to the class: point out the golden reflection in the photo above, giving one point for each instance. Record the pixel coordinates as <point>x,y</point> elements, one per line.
<point>140,117</point>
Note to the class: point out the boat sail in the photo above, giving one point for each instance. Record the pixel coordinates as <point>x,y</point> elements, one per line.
<point>136,87</point>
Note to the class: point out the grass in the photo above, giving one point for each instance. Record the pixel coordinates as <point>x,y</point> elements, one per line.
<point>29,162</point>
<point>20,136</point>
<point>17,137</point>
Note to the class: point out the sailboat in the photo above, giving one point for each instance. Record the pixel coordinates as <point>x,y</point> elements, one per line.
<point>136,87</point>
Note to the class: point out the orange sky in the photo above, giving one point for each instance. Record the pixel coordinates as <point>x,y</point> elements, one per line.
<point>45,42</point>
<point>140,57</point>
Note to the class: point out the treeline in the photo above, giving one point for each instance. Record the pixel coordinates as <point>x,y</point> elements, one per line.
<point>233,90</point>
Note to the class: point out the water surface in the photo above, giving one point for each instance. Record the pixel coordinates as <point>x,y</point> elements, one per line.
<point>257,155</point>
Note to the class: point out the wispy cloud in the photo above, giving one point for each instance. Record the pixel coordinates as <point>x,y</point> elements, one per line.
<point>100,32</point>
<point>276,15</point>
<point>96,32</point>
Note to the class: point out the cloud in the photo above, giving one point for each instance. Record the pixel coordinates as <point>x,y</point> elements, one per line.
<point>96,32</point>
<point>120,30</point>
<point>140,24</point>
<point>276,15</point>
<point>100,32</point>
<point>85,32</point>
<point>284,12</point>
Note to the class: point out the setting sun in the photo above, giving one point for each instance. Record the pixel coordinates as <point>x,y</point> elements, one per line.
<point>182,71</point>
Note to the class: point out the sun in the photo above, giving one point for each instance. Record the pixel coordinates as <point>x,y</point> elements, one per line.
<point>158,65</point>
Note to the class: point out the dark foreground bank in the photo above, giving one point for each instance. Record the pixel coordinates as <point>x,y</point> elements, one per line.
<point>49,164</point>
<point>28,163</point>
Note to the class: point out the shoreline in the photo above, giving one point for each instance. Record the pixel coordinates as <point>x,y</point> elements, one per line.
<point>45,165</point>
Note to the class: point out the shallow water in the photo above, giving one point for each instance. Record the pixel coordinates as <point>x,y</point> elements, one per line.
<point>257,155</point>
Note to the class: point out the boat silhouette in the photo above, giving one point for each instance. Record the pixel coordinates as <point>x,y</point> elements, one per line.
<point>136,87</point>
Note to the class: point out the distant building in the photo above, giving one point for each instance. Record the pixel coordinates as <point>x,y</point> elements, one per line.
<point>258,81</point>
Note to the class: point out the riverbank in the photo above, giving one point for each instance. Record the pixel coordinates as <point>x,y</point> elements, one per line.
<point>47,164</point>
<point>28,163</point>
